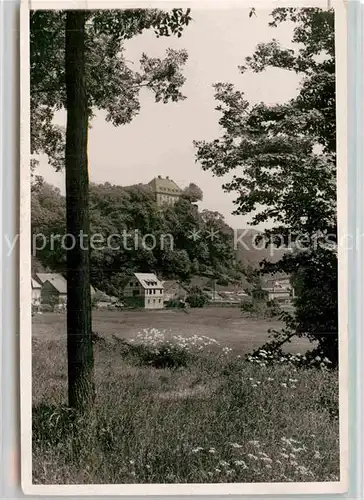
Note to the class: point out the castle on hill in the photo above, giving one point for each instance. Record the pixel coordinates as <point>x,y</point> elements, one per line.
<point>165,190</point>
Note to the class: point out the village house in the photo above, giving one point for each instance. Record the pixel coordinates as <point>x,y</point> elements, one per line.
<point>165,190</point>
<point>144,290</point>
<point>36,293</point>
<point>174,290</point>
<point>54,288</point>
<point>54,291</point>
<point>278,288</point>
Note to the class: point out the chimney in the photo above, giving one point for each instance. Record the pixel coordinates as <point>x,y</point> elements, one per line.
<point>159,176</point>
<point>167,177</point>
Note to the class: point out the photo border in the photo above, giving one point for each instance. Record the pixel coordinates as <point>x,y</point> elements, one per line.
<point>210,489</point>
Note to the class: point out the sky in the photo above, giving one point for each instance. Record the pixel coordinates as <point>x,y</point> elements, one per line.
<point>159,141</point>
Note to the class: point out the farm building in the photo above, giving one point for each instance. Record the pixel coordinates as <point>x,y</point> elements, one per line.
<point>165,191</point>
<point>54,288</point>
<point>36,292</point>
<point>174,290</point>
<point>278,288</point>
<point>144,290</point>
<point>54,291</point>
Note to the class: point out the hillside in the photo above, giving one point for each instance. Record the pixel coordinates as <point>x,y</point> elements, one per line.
<point>251,252</point>
<point>115,210</point>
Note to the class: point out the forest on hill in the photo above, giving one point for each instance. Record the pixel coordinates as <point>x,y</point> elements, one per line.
<point>130,233</point>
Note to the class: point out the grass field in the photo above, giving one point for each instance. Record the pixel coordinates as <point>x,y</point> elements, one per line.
<point>216,418</point>
<point>225,324</point>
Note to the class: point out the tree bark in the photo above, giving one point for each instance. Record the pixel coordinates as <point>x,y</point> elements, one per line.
<point>81,388</point>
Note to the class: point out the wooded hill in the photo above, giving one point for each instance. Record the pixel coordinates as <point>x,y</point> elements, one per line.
<point>123,211</point>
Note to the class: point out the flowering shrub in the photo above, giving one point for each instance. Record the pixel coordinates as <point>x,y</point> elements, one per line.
<point>156,348</point>
<point>311,359</point>
<point>271,352</point>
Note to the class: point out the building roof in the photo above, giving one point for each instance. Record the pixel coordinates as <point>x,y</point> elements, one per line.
<point>59,284</point>
<point>35,284</point>
<point>171,283</point>
<point>165,186</point>
<point>43,277</point>
<point>57,278</point>
<point>148,280</point>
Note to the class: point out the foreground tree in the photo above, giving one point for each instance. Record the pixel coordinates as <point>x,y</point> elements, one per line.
<point>77,64</point>
<point>283,160</point>
<point>79,326</point>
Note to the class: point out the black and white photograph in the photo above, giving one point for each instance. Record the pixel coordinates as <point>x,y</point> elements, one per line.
<point>186,321</point>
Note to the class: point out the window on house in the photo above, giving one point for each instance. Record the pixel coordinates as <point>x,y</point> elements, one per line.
<point>131,283</point>
<point>159,300</point>
<point>153,301</point>
<point>154,291</point>
<point>135,293</point>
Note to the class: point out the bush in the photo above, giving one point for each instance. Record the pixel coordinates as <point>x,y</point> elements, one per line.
<point>163,356</point>
<point>46,308</point>
<point>175,304</point>
<point>197,298</point>
<point>261,309</point>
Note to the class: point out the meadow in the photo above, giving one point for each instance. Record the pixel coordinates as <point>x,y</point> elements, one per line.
<point>180,403</point>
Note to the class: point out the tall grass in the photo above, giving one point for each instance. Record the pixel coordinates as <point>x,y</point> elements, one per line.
<point>212,418</point>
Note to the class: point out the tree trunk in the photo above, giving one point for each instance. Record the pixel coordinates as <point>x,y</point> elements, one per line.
<point>79,341</point>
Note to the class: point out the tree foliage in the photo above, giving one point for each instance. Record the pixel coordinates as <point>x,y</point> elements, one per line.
<point>112,84</point>
<point>120,219</point>
<point>193,193</point>
<point>282,164</point>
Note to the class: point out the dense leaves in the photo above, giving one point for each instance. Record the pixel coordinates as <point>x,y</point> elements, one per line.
<point>130,232</point>
<point>112,83</point>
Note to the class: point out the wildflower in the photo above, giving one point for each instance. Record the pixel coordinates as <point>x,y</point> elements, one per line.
<point>223,463</point>
<point>317,455</point>
<point>131,462</point>
<point>254,443</point>
<point>284,384</point>
<point>294,463</point>
<point>236,445</point>
<point>196,450</point>
<point>284,455</point>
<point>147,466</point>
<point>268,466</point>
<point>254,385</point>
<point>278,462</point>
<point>285,440</point>
<point>301,469</point>
<point>241,463</point>
<point>253,457</point>
<point>270,379</point>
<point>266,459</point>
<point>293,380</point>
<point>212,450</point>
<point>218,470</point>
<point>229,472</point>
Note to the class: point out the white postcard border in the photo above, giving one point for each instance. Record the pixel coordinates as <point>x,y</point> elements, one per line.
<point>301,488</point>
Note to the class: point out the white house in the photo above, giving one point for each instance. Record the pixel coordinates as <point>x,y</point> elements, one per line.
<point>36,292</point>
<point>145,290</point>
